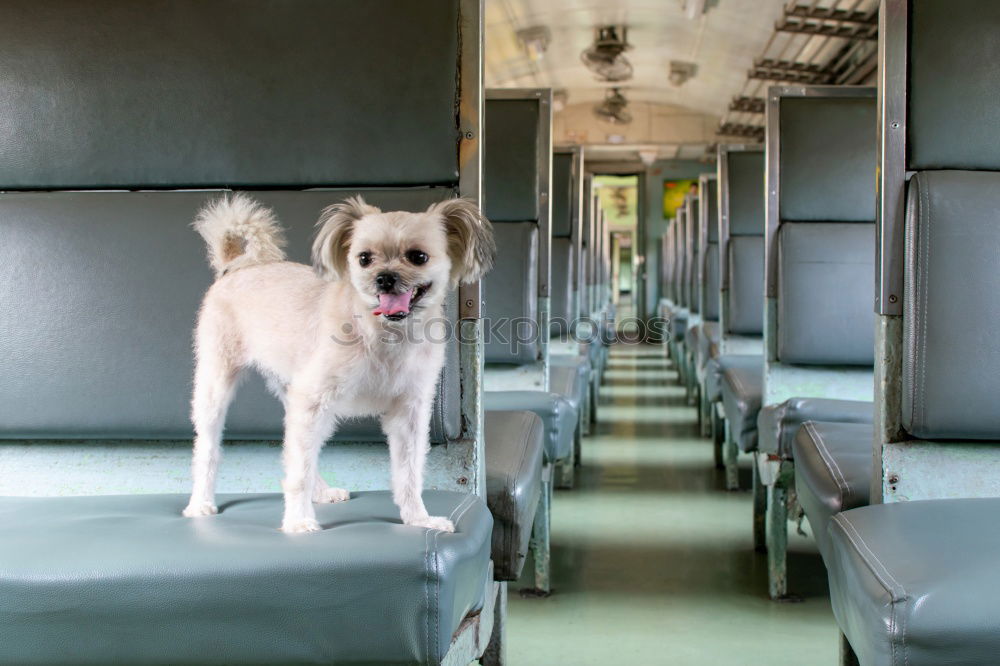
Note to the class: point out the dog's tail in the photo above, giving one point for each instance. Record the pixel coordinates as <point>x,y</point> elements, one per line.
<point>240,232</point>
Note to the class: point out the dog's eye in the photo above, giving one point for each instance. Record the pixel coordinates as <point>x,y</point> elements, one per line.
<point>416,257</point>
<point>365,259</point>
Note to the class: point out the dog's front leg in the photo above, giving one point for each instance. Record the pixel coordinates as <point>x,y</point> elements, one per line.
<point>308,424</point>
<point>407,426</point>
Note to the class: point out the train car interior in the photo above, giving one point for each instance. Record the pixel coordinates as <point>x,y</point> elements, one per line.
<point>500,332</point>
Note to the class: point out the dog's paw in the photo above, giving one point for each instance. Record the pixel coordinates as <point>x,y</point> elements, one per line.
<point>300,526</point>
<point>434,523</point>
<point>331,495</point>
<point>196,509</point>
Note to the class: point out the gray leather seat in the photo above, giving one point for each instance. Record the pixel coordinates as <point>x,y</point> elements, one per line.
<point>742,387</point>
<point>562,299</point>
<point>127,579</point>
<point>915,582</point>
<point>557,414</point>
<point>678,323</point>
<point>717,365</point>
<point>692,336</point>
<point>707,344</point>
<point>569,377</point>
<point>833,471</point>
<point>778,424</point>
<point>514,451</point>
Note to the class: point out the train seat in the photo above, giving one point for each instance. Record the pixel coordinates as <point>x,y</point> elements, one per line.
<point>778,425</point>
<point>123,578</point>
<point>514,450</point>
<point>570,365</point>
<point>706,347</point>
<point>559,419</point>
<point>833,471</point>
<point>517,166</point>
<point>740,222</point>
<point>912,576</point>
<point>692,289</point>
<point>741,383</point>
<point>742,389</point>
<point>819,272</point>
<point>911,582</point>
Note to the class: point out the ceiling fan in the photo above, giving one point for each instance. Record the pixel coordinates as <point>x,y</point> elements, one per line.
<point>606,56</point>
<point>614,108</point>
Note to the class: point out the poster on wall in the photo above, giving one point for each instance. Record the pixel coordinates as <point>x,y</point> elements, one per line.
<point>674,192</point>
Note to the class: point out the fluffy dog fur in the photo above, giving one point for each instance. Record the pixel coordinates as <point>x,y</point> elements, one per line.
<point>312,334</point>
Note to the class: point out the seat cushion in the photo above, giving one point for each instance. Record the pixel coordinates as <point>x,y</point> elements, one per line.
<point>126,579</point>
<point>514,451</point>
<point>692,337</point>
<point>833,471</point>
<point>510,292</point>
<point>678,323</point>
<point>742,387</point>
<point>709,337</point>
<point>569,376</point>
<point>715,366</point>
<point>558,416</point>
<point>778,424</point>
<point>562,289</point>
<point>913,583</point>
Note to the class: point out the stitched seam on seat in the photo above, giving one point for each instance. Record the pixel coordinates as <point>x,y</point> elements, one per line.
<point>831,464</point>
<point>899,592</point>
<point>526,420</point>
<point>427,585</point>
<point>902,598</point>
<point>437,574</point>
<point>437,597</point>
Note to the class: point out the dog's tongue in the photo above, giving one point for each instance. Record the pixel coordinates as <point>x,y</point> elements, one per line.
<point>390,304</point>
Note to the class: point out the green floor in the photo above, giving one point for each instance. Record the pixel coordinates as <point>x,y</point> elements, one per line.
<point>652,560</point>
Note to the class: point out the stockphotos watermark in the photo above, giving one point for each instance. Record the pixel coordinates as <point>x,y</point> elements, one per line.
<point>516,334</point>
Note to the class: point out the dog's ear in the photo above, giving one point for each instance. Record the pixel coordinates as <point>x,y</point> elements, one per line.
<point>333,240</point>
<point>470,239</point>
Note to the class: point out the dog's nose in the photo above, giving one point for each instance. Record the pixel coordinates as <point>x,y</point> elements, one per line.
<point>386,281</point>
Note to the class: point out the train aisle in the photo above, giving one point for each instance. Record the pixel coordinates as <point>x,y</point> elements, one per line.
<point>652,560</point>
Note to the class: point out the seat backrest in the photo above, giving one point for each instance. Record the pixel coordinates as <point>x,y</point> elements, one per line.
<point>820,249</point>
<point>567,190</point>
<point>517,176</point>
<point>683,258</point>
<point>708,231</point>
<point>692,216</point>
<point>741,240</point>
<point>586,243</point>
<point>667,261</point>
<point>107,156</point>
<point>937,303</point>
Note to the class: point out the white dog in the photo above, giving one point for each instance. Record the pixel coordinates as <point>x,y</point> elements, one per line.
<point>330,339</point>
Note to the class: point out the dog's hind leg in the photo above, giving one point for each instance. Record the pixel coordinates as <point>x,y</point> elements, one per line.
<point>323,493</point>
<point>215,379</point>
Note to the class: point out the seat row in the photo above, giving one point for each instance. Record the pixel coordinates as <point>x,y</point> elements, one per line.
<point>863,410</point>
<point>103,278</point>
